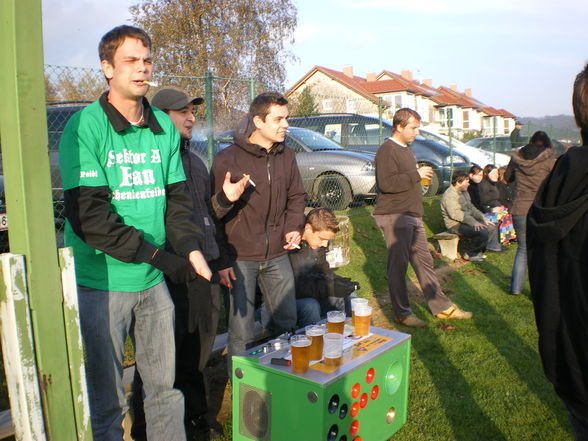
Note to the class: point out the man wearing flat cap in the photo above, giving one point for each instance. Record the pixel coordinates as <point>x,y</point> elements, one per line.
<point>196,304</point>
<point>515,136</point>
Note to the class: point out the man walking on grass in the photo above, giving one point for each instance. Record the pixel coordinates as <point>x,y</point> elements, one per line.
<point>399,212</point>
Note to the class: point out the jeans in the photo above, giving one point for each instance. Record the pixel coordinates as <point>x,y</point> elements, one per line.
<point>519,268</point>
<point>106,318</point>
<point>276,282</point>
<point>477,239</point>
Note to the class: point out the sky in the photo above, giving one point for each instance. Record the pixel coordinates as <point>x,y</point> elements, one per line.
<point>520,55</point>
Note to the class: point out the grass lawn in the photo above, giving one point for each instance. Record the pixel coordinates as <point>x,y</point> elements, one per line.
<point>481,381</point>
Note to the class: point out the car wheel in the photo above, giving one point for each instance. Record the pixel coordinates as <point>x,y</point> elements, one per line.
<point>332,191</point>
<point>430,190</point>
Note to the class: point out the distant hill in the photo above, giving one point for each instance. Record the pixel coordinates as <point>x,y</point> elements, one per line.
<point>562,127</point>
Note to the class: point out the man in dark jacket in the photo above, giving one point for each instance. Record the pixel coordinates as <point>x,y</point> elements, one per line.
<point>515,136</point>
<point>265,223</point>
<point>557,240</point>
<point>399,212</point>
<point>196,305</point>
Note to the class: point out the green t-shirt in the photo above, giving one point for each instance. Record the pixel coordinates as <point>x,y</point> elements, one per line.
<point>136,165</point>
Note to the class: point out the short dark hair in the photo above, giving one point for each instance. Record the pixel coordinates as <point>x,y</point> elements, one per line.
<point>540,138</point>
<point>580,98</point>
<point>321,219</point>
<point>475,169</point>
<point>402,116</point>
<point>112,40</point>
<point>488,169</point>
<point>458,177</point>
<point>260,106</point>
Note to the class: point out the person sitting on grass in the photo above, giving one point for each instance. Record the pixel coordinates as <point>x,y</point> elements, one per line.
<point>465,220</point>
<point>318,289</point>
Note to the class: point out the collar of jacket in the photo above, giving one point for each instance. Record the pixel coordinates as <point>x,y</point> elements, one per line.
<point>242,141</point>
<point>184,145</point>
<point>120,123</point>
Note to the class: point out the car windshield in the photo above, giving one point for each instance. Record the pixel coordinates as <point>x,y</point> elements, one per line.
<point>313,140</point>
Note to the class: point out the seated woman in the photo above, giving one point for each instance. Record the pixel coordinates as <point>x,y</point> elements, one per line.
<point>476,175</point>
<point>492,205</point>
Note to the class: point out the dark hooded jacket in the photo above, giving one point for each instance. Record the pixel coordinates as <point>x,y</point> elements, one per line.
<point>256,225</point>
<point>557,240</point>
<point>528,167</point>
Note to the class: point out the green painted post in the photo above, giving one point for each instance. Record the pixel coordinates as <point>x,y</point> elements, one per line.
<point>380,112</point>
<point>23,131</point>
<point>252,89</point>
<point>449,126</point>
<point>209,116</point>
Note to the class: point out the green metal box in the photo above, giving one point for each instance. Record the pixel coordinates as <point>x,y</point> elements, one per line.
<point>364,399</point>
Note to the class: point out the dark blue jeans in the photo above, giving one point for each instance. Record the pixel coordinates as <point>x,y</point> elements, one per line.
<point>276,282</point>
<point>519,268</point>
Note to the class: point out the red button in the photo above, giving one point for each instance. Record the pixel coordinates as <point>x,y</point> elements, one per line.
<point>354,428</point>
<point>355,390</point>
<point>375,392</point>
<point>369,377</point>
<point>363,400</point>
<point>354,409</point>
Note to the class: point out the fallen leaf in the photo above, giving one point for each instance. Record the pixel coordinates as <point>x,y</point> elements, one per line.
<point>446,327</point>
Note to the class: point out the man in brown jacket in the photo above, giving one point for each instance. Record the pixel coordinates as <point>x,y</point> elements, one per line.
<point>399,212</point>
<point>265,223</point>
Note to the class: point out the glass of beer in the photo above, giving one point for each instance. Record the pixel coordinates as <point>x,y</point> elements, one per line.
<point>356,302</point>
<point>333,350</point>
<point>315,333</point>
<point>335,321</point>
<point>363,316</point>
<point>300,347</point>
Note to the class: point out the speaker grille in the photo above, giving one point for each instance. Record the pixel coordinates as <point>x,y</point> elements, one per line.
<point>254,413</point>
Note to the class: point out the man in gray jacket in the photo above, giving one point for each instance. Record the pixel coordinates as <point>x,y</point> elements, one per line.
<point>461,217</point>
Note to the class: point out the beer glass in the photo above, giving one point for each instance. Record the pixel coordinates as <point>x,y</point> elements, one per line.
<point>315,333</point>
<point>356,302</point>
<point>333,348</point>
<point>363,316</point>
<point>300,347</point>
<point>335,321</point>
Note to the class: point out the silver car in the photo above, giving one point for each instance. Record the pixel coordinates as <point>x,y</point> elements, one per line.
<point>333,177</point>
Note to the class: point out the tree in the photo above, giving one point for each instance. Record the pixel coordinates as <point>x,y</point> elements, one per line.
<point>230,38</point>
<point>303,103</point>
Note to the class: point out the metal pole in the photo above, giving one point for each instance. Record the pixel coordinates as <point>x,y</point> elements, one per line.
<point>449,126</point>
<point>209,116</point>
<point>494,140</point>
<point>380,111</point>
<point>23,130</point>
<point>252,88</point>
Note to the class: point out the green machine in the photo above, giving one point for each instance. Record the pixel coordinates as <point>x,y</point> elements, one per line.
<point>363,399</point>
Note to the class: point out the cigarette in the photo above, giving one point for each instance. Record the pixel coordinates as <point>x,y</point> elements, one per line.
<point>151,83</point>
<point>250,181</point>
<point>295,245</point>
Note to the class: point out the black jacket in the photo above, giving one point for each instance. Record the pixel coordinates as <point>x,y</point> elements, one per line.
<point>256,225</point>
<point>557,241</point>
<point>489,195</point>
<point>474,191</point>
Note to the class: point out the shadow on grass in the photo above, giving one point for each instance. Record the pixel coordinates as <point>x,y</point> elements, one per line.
<point>505,338</point>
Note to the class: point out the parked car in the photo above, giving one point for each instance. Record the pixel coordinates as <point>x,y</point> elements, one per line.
<point>476,155</point>
<point>333,177</point>
<point>361,133</point>
<point>503,144</point>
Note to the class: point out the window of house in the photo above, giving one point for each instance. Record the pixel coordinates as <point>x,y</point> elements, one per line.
<point>466,119</point>
<point>398,102</point>
<point>327,105</point>
<point>442,118</point>
<point>351,105</point>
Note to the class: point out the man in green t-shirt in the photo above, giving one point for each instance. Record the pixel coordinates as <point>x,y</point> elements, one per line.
<point>125,196</point>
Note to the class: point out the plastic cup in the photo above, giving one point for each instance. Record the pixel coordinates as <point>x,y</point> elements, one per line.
<point>333,348</point>
<point>316,333</point>
<point>356,302</point>
<point>335,321</point>
<point>300,347</point>
<point>363,316</point>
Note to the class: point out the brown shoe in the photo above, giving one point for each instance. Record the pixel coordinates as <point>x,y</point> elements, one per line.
<point>453,312</point>
<point>411,320</point>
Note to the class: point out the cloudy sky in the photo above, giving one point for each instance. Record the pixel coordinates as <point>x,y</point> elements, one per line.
<point>521,55</point>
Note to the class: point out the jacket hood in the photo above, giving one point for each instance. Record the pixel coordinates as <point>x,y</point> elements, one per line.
<point>527,166</point>
<point>563,198</point>
<point>245,128</point>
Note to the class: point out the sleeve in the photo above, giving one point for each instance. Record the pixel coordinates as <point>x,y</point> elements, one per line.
<point>182,232</point>
<point>220,205</point>
<point>389,177</point>
<point>509,173</point>
<point>296,198</point>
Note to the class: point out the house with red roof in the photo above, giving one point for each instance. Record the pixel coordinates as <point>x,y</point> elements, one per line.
<point>344,92</point>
